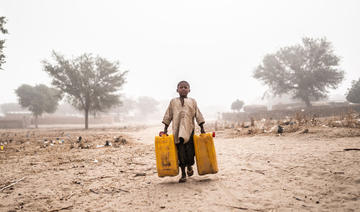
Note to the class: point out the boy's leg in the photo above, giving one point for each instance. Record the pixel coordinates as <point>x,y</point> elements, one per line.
<point>189,155</point>
<point>183,175</point>
<point>181,156</point>
<point>190,171</point>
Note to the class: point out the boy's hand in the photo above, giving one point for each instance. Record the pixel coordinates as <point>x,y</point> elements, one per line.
<point>162,133</point>
<point>202,130</point>
<point>165,130</point>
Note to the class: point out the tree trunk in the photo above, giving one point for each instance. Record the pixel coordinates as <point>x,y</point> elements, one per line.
<point>86,119</point>
<point>307,102</point>
<point>36,121</point>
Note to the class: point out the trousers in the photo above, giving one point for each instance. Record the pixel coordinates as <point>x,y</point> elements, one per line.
<point>186,152</point>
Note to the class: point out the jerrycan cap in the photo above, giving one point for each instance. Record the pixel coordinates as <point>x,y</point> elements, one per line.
<point>213,134</point>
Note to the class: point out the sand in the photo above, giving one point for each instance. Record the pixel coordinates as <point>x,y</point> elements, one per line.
<point>299,172</point>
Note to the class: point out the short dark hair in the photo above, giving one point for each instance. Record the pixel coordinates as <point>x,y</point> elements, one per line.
<point>183,81</point>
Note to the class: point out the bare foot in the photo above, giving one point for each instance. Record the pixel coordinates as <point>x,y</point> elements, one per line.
<point>182,179</point>
<point>190,171</point>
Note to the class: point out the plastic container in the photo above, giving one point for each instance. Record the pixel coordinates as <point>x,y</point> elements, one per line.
<point>205,154</point>
<point>166,156</point>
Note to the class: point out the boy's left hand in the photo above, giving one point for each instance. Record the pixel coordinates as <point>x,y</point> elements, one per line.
<point>202,130</point>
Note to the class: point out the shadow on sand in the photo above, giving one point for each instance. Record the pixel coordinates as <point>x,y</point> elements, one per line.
<point>190,180</point>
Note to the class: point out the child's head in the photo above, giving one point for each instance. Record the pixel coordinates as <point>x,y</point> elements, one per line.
<point>183,88</point>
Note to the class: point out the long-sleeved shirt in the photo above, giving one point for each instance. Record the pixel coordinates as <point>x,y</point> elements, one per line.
<point>182,118</point>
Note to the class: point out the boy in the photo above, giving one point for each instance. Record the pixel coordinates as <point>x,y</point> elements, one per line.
<point>181,112</point>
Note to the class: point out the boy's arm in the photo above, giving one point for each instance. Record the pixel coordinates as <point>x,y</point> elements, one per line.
<point>199,118</point>
<point>167,118</point>
<point>202,130</point>
<point>166,128</point>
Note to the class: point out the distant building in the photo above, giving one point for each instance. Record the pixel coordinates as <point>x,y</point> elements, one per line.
<point>18,119</point>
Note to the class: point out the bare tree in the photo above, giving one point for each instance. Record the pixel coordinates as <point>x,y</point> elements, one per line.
<point>305,71</point>
<point>3,31</point>
<point>90,83</point>
<point>237,105</point>
<point>353,94</point>
<point>38,99</point>
<point>147,105</point>
<point>10,107</point>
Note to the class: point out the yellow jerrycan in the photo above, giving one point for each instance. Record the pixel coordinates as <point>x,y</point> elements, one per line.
<point>166,156</point>
<point>205,154</point>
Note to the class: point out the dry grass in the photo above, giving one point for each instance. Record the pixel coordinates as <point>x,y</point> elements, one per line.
<point>300,123</point>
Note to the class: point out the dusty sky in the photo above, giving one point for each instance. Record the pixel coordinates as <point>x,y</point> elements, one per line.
<point>215,45</point>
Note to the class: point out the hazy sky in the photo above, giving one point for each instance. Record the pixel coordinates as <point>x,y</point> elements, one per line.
<point>215,45</point>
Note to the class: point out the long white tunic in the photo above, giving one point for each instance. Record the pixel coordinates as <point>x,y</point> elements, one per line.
<point>182,117</point>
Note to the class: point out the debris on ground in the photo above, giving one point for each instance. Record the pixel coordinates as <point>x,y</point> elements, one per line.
<point>280,129</point>
<point>140,174</point>
<point>108,143</point>
<point>305,131</point>
<point>120,140</point>
<point>300,124</point>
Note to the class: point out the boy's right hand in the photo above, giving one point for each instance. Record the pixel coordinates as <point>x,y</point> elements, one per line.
<point>165,129</point>
<point>162,133</point>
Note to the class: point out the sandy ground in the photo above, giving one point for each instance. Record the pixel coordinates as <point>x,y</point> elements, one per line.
<point>299,172</point>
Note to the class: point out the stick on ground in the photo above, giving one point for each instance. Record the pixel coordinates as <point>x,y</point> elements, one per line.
<point>354,149</point>
<point>8,186</point>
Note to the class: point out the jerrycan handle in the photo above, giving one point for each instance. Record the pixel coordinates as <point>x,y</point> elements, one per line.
<point>212,134</point>
<point>162,133</point>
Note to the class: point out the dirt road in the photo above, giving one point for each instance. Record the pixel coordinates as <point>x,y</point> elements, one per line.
<point>258,173</point>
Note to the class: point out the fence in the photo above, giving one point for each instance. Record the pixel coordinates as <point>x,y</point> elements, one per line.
<point>317,111</point>
<point>12,124</point>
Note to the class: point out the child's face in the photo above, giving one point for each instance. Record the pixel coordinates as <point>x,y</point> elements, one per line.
<point>183,89</point>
